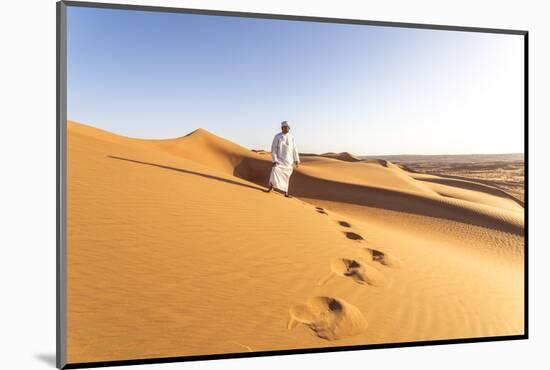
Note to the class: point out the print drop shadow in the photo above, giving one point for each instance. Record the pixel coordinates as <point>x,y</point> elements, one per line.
<point>47,358</point>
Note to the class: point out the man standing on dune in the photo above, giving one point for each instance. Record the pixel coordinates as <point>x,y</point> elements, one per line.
<point>284,157</point>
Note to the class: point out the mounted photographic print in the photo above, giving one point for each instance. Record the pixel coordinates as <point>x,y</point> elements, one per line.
<point>236,184</point>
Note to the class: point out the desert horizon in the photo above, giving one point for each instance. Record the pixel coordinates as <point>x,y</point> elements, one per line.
<point>175,248</point>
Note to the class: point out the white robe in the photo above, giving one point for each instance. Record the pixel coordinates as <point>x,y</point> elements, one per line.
<point>284,153</point>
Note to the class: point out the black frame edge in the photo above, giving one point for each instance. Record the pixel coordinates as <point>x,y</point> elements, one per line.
<point>303,351</point>
<point>526,181</point>
<point>61,171</point>
<point>228,13</point>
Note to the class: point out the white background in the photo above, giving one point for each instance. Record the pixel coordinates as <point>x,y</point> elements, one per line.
<point>27,185</point>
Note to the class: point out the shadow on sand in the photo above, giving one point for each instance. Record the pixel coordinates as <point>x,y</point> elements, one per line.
<point>305,186</point>
<point>188,172</point>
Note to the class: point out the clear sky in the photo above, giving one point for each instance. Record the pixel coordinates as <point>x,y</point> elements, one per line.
<point>363,89</point>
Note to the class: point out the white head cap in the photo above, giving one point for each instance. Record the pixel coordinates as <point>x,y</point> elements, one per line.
<point>284,123</point>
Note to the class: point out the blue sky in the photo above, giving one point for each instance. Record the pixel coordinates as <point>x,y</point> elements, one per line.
<point>363,89</point>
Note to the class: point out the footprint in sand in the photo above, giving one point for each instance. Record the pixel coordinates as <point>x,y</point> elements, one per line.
<point>369,254</point>
<point>353,236</point>
<point>344,223</point>
<point>329,318</point>
<point>321,210</point>
<point>358,272</point>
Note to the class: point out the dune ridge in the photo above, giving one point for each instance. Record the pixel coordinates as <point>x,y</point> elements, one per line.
<point>343,156</point>
<point>209,149</point>
<point>175,250</point>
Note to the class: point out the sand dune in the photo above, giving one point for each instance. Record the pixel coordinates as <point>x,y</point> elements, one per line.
<point>504,172</point>
<point>174,249</point>
<point>344,156</point>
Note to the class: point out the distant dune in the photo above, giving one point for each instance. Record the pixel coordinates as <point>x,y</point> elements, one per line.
<point>174,249</point>
<point>501,171</point>
<point>450,158</point>
<point>344,156</point>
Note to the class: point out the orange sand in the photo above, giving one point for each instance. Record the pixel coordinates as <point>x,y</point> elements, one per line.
<point>174,250</point>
